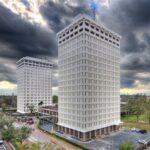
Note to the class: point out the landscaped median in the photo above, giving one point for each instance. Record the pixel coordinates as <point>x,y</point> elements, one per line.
<point>57,137</point>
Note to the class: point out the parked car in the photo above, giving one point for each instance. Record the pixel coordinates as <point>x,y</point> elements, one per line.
<point>1,142</point>
<point>142,141</point>
<point>135,130</point>
<point>143,131</point>
<point>30,122</point>
<point>145,141</point>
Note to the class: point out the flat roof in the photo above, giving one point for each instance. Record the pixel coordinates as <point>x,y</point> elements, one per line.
<point>34,59</point>
<point>84,16</point>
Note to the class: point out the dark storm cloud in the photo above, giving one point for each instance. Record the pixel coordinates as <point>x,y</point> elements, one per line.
<point>24,38</point>
<point>59,15</point>
<point>129,18</point>
<point>18,39</point>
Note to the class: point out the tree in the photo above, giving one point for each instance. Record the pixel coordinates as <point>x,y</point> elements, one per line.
<point>127,146</point>
<point>4,106</point>
<point>22,134</point>
<point>40,103</point>
<point>6,122</point>
<point>139,107</point>
<point>55,99</point>
<point>147,110</point>
<point>7,134</point>
<point>31,108</point>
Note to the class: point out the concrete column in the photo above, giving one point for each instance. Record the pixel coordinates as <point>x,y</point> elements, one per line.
<point>100,132</point>
<point>90,134</point>
<point>84,136</point>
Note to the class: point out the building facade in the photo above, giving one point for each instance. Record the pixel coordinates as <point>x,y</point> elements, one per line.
<point>34,77</point>
<point>89,79</point>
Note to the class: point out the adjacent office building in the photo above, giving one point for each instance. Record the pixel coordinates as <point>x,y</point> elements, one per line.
<point>89,79</point>
<point>34,77</point>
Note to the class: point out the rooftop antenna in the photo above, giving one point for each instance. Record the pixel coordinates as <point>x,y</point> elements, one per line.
<point>94,7</point>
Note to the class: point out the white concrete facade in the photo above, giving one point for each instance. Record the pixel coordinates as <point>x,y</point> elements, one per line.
<point>89,76</point>
<point>34,79</point>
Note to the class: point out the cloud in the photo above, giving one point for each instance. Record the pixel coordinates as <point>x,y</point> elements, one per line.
<point>60,14</point>
<point>19,38</point>
<point>7,85</point>
<point>131,19</point>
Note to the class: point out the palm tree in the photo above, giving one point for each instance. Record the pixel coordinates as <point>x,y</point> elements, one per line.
<point>40,103</point>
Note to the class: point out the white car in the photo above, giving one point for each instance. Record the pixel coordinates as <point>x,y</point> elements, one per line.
<point>142,141</point>
<point>1,142</point>
<point>135,129</point>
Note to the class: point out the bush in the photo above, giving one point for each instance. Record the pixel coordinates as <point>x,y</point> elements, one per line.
<point>127,146</point>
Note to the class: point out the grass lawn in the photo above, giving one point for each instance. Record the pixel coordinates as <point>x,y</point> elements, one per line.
<point>133,118</point>
<point>130,121</point>
<point>130,125</point>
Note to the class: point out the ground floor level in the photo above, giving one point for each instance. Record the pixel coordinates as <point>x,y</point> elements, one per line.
<point>85,136</point>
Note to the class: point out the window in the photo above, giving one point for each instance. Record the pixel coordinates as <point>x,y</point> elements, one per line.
<point>97,35</point>
<point>92,32</point>
<point>76,27</point>
<point>92,27</point>
<point>76,33</point>
<point>86,29</point>
<point>80,30</point>
<point>97,29</point>
<point>81,24</point>
<point>86,24</point>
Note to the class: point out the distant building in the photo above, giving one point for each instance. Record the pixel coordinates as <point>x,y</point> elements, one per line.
<point>89,79</point>
<point>34,77</point>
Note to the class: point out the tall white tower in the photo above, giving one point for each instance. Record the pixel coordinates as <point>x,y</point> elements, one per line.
<point>89,79</point>
<point>34,78</point>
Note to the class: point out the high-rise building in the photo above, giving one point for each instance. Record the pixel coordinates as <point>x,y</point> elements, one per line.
<point>89,79</point>
<point>34,77</point>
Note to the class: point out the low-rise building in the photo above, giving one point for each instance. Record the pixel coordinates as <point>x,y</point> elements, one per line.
<point>49,113</point>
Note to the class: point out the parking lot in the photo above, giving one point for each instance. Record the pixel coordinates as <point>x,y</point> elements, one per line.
<point>112,142</point>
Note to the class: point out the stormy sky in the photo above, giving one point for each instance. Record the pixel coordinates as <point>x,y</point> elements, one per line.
<point>35,36</point>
